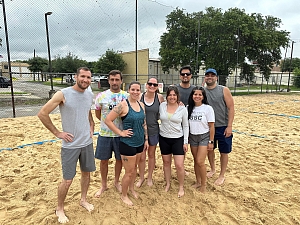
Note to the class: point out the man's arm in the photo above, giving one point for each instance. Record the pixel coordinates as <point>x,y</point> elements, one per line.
<point>98,113</point>
<point>230,106</point>
<point>43,114</point>
<point>161,98</point>
<point>92,124</point>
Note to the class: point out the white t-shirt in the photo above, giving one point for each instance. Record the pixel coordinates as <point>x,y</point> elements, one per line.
<point>200,117</point>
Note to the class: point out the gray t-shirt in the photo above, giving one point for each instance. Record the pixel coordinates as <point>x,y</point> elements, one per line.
<point>152,115</point>
<point>75,117</point>
<point>215,98</point>
<point>185,93</point>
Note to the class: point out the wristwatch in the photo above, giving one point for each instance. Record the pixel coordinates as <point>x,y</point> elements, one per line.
<point>210,142</point>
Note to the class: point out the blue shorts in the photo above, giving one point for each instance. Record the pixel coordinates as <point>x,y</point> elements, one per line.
<point>70,157</point>
<point>171,145</point>
<point>153,140</point>
<point>223,143</point>
<point>105,147</point>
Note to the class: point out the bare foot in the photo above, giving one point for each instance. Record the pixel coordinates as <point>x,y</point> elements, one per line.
<point>118,187</point>
<point>140,183</point>
<point>210,174</point>
<point>134,193</point>
<point>167,187</point>
<point>101,190</point>
<point>61,216</point>
<point>220,181</point>
<point>150,182</point>
<point>202,189</point>
<point>180,192</point>
<point>126,200</point>
<point>89,207</point>
<point>196,185</point>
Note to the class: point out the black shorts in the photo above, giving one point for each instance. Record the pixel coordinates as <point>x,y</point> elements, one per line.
<point>171,145</point>
<point>128,150</point>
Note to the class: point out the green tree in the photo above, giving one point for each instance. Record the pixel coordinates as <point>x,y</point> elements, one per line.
<point>286,64</point>
<point>225,40</point>
<point>179,44</point>
<point>247,72</point>
<point>296,79</point>
<point>67,64</point>
<point>109,61</point>
<point>37,65</point>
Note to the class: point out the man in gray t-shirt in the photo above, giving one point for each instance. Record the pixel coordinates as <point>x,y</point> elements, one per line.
<point>185,88</point>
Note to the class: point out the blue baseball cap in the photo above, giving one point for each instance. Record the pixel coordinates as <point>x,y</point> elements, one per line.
<point>211,70</point>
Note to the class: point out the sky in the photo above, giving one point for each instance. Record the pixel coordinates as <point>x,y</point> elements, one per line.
<point>88,28</point>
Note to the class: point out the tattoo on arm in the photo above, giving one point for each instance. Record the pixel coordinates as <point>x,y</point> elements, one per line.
<point>145,128</point>
<point>118,109</point>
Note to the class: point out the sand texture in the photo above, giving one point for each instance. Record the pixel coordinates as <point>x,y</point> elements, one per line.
<point>262,183</point>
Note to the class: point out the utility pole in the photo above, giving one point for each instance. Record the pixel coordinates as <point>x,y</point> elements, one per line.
<point>288,88</point>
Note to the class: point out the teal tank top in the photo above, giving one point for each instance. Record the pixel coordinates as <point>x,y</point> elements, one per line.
<point>134,120</point>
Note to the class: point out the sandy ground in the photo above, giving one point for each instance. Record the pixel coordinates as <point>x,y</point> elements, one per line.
<point>262,182</point>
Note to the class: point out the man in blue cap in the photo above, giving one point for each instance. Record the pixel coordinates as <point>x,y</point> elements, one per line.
<point>220,98</point>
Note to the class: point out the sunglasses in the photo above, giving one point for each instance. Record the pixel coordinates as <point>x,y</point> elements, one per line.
<point>185,74</point>
<point>152,84</point>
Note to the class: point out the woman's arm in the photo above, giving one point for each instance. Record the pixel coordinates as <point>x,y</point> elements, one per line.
<point>146,145</point>
<point>185,127</point>
<point>118,111</point>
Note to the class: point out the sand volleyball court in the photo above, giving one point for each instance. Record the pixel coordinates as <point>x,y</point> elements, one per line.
<point>262,182</point>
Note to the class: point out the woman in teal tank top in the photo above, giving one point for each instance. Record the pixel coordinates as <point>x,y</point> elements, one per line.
<point>134,136</point>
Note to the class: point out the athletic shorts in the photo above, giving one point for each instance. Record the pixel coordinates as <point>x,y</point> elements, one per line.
<point>153,140</point>
<point>69,158</point>
<point>171,145</point>
<point>130,151</point>
<point>105,147</point>
<point>196,140</point>
<point>223,143</point>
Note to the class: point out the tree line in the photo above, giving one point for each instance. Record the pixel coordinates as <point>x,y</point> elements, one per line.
<point>222,40</point>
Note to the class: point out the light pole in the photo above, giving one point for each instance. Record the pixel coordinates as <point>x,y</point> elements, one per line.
<point>51,92</point>
<point>8,58</point>
<point>288,88</point>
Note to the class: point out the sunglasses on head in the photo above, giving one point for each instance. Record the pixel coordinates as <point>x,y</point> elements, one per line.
<point>185,74</point>
<point>152,84</point>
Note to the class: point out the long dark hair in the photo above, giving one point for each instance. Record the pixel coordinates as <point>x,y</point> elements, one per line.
<point>191,103</point>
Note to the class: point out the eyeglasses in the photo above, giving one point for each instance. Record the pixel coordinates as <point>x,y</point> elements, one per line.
<point>185,74</point>
<point>152,84</point>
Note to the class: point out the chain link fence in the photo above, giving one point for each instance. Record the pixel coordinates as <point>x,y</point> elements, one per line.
<point>31,90</point>
<point>87,29</point>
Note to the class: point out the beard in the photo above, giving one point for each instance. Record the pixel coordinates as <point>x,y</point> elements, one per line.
<point>210,83</point>
<point>115,87</point>
<point>81,86</point>
<point>185,81</point>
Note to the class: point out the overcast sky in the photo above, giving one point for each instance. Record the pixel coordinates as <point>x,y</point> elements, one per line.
<point>87,28</point>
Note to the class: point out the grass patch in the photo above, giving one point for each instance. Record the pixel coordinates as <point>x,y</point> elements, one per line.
<point>15,93</point>
<point>265,87</point>
<point>20,102</point>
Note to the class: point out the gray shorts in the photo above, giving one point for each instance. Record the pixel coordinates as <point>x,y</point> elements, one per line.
<point>199,139</point>
<point>153,140</point>
<point>69,158</point>
<point>105,147</point>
